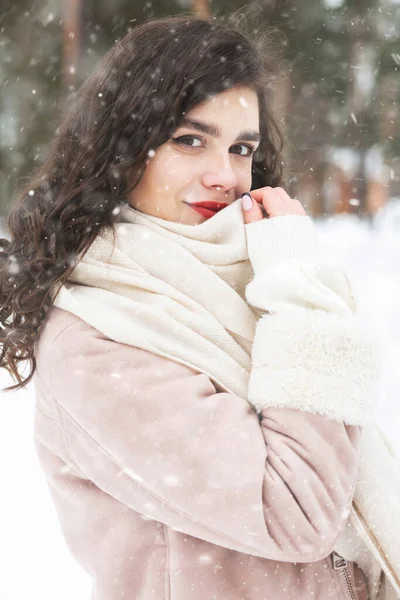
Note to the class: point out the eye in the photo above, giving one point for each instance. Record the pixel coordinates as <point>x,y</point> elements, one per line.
<point>185,140</point>
<point>244,150</point>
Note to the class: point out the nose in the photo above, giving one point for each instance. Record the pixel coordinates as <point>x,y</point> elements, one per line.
<point>220,175</point>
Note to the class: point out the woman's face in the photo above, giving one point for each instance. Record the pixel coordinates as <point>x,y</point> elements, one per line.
<point>209,157</point>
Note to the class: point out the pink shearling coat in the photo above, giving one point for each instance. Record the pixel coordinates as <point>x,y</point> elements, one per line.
<point>168,490</point>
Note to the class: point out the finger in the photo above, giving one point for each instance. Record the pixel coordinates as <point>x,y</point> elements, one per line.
<point>257,194</point>
<point>271,201</point>
<point>265,195</point>
<point>254,213</point>
<point>282,194</point>
<point>273,193</point>
<point>295,205</point>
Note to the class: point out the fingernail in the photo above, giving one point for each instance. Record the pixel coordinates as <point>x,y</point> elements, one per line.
<point>247,201</point>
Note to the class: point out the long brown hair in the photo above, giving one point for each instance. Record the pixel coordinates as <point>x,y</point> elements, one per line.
<point>130,104</point>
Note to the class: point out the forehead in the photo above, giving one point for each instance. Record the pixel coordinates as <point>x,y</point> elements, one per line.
<point>233,108</point>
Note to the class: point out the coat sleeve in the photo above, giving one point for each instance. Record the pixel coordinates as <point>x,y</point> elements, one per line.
<point>155,435</point>
<point>311,349</point>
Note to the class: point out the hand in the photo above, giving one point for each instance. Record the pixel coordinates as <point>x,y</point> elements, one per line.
<point>276,203</point>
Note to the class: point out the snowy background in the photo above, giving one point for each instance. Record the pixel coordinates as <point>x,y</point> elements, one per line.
<point>36,563</point>
<point>338,104</point>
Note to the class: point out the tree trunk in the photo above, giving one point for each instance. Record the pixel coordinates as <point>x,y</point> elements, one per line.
<point>72,10</point>
<point>201,8</point>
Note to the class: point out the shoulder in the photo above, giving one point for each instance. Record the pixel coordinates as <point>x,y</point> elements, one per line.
<point>66,337</point>
<point>67,344</point>
<point>60,326</point>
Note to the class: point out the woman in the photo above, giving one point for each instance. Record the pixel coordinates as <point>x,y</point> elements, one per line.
<point>202,381</point>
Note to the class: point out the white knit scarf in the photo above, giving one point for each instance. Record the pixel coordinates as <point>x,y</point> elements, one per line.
<point>179,291</point>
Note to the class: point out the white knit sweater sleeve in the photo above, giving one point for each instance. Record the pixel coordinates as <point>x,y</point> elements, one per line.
<point>310,351</point>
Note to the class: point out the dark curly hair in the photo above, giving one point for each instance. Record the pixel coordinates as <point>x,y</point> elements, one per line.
<point>132,102</point>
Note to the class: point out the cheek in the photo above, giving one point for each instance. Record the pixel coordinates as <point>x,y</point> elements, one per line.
<point>177,170</point>
<point>168,164</point>
<point>160,174</point>
<point>244,177</point>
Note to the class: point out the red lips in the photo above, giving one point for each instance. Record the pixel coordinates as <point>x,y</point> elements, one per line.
<point>211,205</point>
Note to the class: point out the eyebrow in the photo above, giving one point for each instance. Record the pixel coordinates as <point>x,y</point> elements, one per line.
<point>215,131</point>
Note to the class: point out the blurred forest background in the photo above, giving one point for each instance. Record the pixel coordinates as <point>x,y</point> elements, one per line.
<point>338,102</point>
<point>337,98</point>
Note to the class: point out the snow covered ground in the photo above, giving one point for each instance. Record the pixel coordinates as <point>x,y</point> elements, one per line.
<point>36,563</point>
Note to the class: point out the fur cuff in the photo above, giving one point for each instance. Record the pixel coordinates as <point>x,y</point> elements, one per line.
<point>319,363</point>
